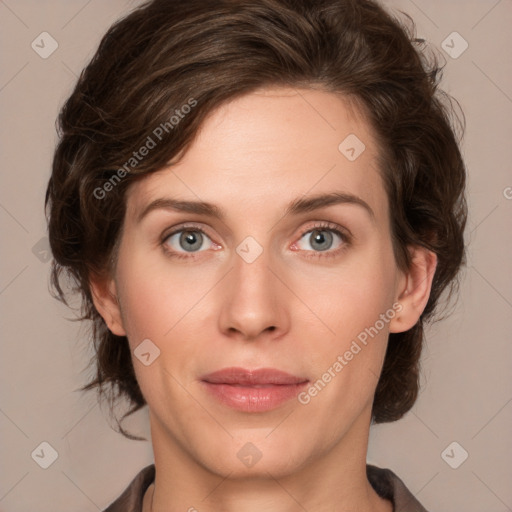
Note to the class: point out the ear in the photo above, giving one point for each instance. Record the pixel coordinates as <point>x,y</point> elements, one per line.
<point>414,288</point>
<point>104,295</point>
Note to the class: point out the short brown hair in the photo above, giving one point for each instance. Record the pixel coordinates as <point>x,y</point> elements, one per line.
<point>167,52</point>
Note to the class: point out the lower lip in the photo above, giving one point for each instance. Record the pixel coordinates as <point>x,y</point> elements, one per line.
<point>254,399</point>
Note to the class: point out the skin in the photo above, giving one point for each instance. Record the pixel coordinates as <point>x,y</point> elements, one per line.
<point>293,308</point>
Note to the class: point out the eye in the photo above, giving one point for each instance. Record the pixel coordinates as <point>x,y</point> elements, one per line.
<point>325,238</point>
<point>187,239</point>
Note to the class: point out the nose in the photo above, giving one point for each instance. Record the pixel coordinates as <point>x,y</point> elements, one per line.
<point>253,303</point>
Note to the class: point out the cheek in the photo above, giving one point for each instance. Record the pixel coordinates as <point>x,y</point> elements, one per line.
<point>156,295</point>
<point>356,303</point>
<point>156,302</point>
<point>350,298</point>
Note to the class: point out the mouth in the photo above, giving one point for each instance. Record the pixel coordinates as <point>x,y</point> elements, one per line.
<point>253,390</point>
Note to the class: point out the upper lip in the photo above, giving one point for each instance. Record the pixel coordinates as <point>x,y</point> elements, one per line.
<point>245,377</point>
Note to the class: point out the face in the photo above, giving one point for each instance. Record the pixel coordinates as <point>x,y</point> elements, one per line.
<point>291,268</point>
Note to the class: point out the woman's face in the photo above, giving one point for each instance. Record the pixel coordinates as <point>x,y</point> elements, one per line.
<point>264,278</point>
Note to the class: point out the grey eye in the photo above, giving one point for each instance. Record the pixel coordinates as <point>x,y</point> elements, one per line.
<point>188,240</point>
<point>319,239</point>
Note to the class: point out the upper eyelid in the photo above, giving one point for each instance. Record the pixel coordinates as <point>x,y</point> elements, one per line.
<point>185,227</point>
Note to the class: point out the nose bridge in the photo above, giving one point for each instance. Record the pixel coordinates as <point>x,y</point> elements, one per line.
<point>252,302</point>
<point>251,271</point>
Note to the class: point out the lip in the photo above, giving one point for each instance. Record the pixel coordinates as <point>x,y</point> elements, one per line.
<point>257,390</point>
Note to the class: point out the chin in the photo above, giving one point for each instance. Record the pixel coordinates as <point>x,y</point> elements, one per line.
<point>257,455</point>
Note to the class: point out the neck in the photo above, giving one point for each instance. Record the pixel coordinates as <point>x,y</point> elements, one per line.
<point>334,480</point>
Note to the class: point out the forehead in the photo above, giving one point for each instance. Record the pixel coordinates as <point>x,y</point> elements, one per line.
<point>266,148</point>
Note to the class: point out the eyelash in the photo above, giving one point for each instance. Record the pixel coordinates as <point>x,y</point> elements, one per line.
<point>345,237</point>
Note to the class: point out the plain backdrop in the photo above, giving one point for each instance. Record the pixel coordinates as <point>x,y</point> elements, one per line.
<point>467,393</point>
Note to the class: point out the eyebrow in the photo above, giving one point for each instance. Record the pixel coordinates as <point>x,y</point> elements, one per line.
<point>296,207</point>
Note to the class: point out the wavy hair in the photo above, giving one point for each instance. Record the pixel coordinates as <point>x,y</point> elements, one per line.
<point>154,60</point>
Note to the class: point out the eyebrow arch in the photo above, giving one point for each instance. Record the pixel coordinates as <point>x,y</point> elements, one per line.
<point>297,206</point>
<point>311,203</point>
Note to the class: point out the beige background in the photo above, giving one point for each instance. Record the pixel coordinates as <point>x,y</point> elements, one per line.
<point>467,392</point>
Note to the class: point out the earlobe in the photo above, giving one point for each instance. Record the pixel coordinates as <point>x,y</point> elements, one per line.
<point>104,295</point>
<point>414,288</point>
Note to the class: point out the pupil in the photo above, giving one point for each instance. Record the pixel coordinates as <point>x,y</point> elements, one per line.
<point>192,240</point>
<point>319,236</point>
